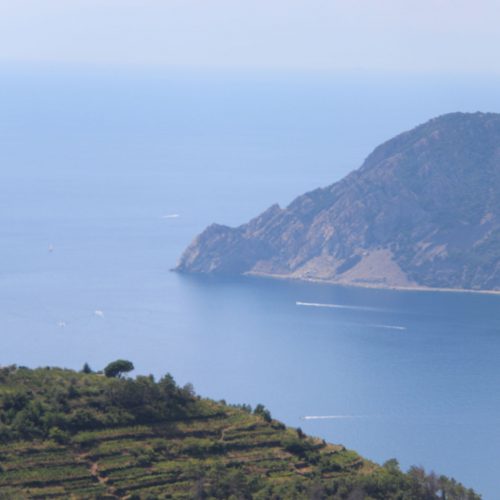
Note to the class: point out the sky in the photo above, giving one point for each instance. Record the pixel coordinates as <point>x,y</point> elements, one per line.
<point>309,35</point>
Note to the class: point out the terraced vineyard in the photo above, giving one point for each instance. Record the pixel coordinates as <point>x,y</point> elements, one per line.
<point>74,435</point>
<point>167,459</point>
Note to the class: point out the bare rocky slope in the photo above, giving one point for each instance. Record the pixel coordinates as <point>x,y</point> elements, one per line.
<point>422,211</point>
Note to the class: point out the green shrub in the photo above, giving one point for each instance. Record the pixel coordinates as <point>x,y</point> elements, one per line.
<point>59,436</point>
<point>296,445</point>
<point>263,412</point>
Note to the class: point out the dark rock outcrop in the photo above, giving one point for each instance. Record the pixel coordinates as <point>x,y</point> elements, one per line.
<point>422,211</point>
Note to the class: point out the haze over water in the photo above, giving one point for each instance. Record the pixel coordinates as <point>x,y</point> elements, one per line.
<point>94,167</point>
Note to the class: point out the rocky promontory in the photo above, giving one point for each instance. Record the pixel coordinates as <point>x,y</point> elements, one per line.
<point>423,211</point>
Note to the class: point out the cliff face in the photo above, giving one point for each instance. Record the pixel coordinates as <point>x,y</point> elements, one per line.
<point>423,210</point>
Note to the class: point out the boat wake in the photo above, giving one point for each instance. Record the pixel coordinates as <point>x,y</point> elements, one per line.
<point>389,327</point>
<point>338,306</point>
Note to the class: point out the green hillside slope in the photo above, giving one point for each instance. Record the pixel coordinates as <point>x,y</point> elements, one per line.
<point>65,434</point>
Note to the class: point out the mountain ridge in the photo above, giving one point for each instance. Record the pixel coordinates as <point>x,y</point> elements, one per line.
<point>422,212</point>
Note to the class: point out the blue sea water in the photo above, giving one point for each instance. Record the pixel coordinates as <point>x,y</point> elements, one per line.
<point>92,161</point>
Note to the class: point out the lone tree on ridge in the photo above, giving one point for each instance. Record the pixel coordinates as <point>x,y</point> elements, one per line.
<point>118,368</point>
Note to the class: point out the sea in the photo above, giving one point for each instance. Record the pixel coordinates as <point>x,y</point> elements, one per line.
<point>107,174</point>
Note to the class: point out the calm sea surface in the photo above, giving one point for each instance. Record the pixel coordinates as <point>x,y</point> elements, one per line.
<point>115,173</point>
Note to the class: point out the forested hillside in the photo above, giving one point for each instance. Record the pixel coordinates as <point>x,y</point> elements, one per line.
<point>67,434</point>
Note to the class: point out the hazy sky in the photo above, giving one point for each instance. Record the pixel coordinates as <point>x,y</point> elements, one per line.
<point>415,35</point>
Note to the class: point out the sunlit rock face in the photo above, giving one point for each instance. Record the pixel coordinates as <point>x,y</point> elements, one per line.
<point>422,211</point>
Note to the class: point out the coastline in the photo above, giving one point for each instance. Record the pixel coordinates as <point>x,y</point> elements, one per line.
<point>416,288</point>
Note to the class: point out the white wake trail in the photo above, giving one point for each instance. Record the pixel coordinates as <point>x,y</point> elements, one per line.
<point>389,327</point>
<point>338,306</point>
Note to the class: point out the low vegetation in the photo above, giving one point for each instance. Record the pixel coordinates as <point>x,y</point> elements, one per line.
<point>65,434</point>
